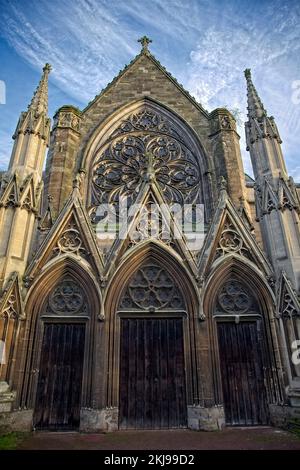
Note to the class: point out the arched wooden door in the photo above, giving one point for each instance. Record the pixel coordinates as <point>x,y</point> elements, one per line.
<point>58,395</point>
<point>243,358</point>
<point>152,389</point>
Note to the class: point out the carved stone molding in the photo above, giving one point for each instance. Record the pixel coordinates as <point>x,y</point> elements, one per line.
<point>68,117</point>
<point>288,307</point>
<point>150,225</point>
<point>289,304</point>
<point>282,197</point>
<point>21,194</point>
<point>226,122</point>
<point>221,120</point>
<point>146,120</point>
<point>10,309</point>
<point>70,241</point>
<point>12,200</point>
<point>231,242</point>
<point>10,301</point>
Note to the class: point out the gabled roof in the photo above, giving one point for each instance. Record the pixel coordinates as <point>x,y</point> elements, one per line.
<point>146,53</point>
<point>120,248</point>
<point>71,222</point>
<point>288,301</point>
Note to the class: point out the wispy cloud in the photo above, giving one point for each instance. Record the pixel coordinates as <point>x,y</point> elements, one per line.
<point>81,40</point>
<point>206,43</point>
<point>269,44</point>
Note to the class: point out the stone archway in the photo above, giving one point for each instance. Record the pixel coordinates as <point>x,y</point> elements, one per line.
<point>245,358</point>
<point>152,382</point>
<point>242,353</point>
<point>116,158</point>
<point>184,309</point>
<point>62,309</point>
<point>63,316</point>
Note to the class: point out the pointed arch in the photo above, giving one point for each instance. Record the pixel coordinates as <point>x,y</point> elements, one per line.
<point>235,268</point>
<point>66,267</point>
<point>57,269</point>
<point>156,254</point>
<point>241,268</point>
<point>165,123</point>
<point>104,129</point>
<point>156,251</point>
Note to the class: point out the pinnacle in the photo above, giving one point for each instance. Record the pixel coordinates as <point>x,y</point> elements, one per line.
<point>255,106</point>
<point>39,102</point>
<point>47,68</point>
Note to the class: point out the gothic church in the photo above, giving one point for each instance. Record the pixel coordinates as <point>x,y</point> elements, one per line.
<point>144,332</point>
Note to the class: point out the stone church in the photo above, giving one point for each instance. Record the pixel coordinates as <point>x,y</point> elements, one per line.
<point>141,330</point>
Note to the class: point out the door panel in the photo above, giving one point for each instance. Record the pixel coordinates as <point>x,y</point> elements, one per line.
<point>60,377</point>
<point>241,363</point>
<point>152,376</point>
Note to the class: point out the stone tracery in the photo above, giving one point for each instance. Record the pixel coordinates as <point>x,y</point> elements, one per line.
<point>152,287</point>
<point>235,299</point>
<point>67,298</point>
<point>123,163</point>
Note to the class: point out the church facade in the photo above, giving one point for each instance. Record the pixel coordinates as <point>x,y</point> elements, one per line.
<point>108,323</point>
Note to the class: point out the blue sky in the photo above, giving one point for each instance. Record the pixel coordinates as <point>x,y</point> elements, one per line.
<point>205,44</point>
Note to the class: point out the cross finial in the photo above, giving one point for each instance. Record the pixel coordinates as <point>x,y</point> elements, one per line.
<point>247,73</point>
<point>145,41</point>
<point>47,68</point>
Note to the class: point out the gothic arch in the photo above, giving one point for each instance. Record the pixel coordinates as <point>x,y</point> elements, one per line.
<point>250,279</point>
<point>154,253</point>
<point>68,269</point>
<point>165,123</point>
<point>232,264</point>
<point>99,135</point>
<point>158,252</point>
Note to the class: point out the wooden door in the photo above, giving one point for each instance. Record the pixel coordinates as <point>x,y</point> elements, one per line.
<point>241,362</point>
<point>152,375</point>
<point>60,377</point>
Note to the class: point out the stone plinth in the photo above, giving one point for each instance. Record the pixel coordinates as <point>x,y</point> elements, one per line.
<point>206,419</point>
<point>92,420</point>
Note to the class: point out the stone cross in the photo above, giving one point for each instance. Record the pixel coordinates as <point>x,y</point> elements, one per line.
<point>145,41</point>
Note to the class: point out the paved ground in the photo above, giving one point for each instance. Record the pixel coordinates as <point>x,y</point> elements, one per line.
<point>237,438</point>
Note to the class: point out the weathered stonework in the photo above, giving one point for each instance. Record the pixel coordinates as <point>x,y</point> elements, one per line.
<point>206,419</point>
<point>20,420</point>
<point>281,415</point>
<point>61,161</point>
<point>6,398</point>
<point>105,420</point>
